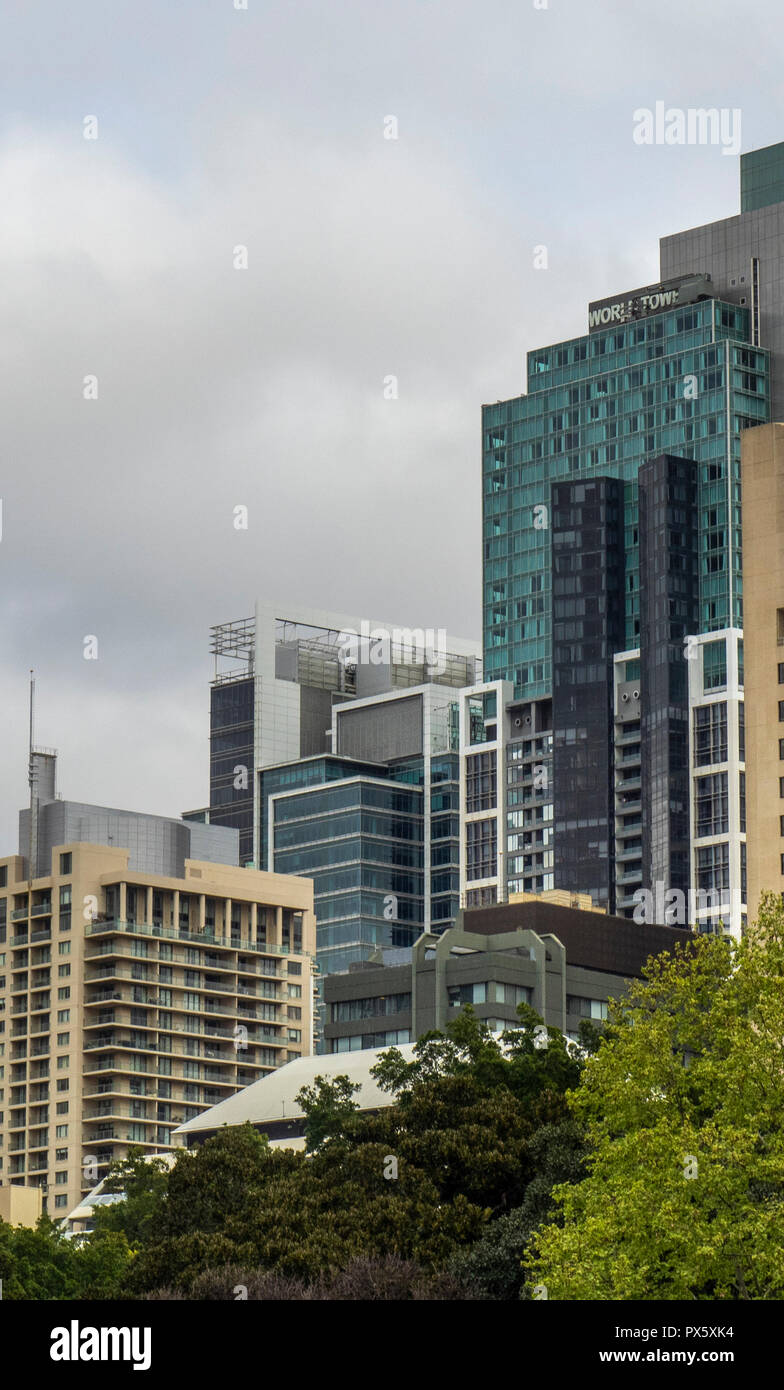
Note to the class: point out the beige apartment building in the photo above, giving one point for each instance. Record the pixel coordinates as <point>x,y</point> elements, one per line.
<point>131,1001</point>
<point>762,472</point>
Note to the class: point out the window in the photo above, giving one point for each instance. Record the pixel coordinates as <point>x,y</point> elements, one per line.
<point>712,805</point>
<point>295,1035</point>
<point>4,876</point>
<point>61,1179</point>
<point>345,1010</point>
<point>63,1063</point>
<point>780,626</point>
<point>295,967</point>
<point>586,1008</point>
<point>295,991</point>
<point>63,1015</point>
<point>63,1085</point>
<point>714,665</point>
<point>64,992</point>
<point>781,673</point>
<point>64,948</point>
<point>713,868</point>
<point>481,849</point>
<point>66,862</point>
<point>467,994</point>
<point>511,994</point>
<point>61,1200</point>
<point>61,1132</point>
<point>64,971</point>
<point>63,1039</point>
<point>62,1107</point>
<point>481,782</point>
<point>61,1155</point>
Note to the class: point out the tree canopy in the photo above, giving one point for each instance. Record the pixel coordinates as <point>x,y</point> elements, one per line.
<point>683,1110</point>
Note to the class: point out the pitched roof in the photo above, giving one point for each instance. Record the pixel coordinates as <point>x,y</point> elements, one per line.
<point>272,1098</point>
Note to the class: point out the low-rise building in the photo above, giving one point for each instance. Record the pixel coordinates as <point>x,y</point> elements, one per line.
<point>563,961</point>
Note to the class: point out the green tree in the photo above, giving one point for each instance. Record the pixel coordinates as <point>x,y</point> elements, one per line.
<point>144,1183</point>
<point>43,1264</point>
<point>683,1105</point>
<point>36,1263</point>
<point>493,1266</point>
<point>327,1105</point>
<point>416,1181</point>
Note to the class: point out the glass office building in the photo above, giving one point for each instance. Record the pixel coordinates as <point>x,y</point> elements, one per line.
<point>579,567</point>
<point>361,842</point>
<point>379,837</point>
<point>683,382</point>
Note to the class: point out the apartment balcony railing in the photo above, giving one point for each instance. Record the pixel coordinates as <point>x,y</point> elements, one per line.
<point>100,928</point>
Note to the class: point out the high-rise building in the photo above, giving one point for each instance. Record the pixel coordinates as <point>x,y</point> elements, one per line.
<point>375,823</point>
<point>277,680</point>
<point>140,982</point>
<point>612,564</point>
<point>763,648</point>
<point>335,753</point>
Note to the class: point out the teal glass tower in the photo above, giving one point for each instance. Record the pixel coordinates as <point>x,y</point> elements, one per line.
<point>684,381</point>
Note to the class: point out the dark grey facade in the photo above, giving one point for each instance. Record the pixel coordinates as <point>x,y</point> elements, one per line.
<point>668,615</point>
<point>587,631</point>
<point>566,974</point>
<point>231,747</point>
<point>744,257</point>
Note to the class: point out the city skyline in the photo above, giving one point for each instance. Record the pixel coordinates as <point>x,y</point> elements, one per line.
<point>118,511</point>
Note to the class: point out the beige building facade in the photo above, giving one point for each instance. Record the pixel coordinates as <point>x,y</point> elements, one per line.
<point>132,1001</point>
<point>763,634</point>
<point>20,1206</point>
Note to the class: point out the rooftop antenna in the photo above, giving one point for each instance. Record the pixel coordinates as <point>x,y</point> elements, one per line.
<point>32,777</point>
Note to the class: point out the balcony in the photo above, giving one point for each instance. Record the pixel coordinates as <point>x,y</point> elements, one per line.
<point>19,913</point>
<point>114,925</point>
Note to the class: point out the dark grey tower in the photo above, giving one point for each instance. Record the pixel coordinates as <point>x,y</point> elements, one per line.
<point>669,612</point>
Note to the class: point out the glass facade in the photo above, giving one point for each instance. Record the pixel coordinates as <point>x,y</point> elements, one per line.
<point>669,613</point>
<point>762,178</point>
<point>587,623</point>
<point>362,843</point>
<point>231,760</point>
<point>686,382</point>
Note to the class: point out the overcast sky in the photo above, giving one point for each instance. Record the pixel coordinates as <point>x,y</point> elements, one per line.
<point>264,387</point>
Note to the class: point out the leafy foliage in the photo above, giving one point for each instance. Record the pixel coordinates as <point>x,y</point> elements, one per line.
<point>416,1181</point>
<point>327,1105</point>
<point>683,1105</point>
<point>41,1264</point>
